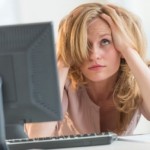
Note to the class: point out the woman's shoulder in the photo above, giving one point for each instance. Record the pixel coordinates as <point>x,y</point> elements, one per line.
<point>74,95</point>
<point>73,91</point>
<point>69,88</point>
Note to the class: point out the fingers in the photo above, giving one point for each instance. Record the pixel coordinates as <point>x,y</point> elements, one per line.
<point>117,25</point>
<point>113,10</point>
<point>108,19</point>
<point>115,21</point>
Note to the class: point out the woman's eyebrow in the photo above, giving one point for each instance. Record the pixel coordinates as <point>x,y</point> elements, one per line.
<point>104,34</point>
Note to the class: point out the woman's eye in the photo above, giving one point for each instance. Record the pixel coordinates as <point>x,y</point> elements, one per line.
<point>105,42</point>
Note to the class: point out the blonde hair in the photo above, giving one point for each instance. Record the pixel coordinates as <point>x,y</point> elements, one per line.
<point>73,50</point>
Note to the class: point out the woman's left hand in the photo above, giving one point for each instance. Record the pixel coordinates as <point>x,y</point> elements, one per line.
<point>121,39</point>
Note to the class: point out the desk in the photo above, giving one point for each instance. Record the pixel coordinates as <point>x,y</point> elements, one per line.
<point>117,145</point>
<point>132,143</point>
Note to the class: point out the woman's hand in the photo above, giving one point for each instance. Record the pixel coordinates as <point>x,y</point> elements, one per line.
<point>121,39</point>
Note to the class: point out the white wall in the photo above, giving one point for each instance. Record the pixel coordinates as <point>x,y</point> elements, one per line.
<point>47,10</point>
<point>8,12</point>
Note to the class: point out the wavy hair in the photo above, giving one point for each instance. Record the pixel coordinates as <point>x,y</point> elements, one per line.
<point>73,50</point>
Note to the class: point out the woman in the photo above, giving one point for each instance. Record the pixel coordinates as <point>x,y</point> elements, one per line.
<point>104,78</point>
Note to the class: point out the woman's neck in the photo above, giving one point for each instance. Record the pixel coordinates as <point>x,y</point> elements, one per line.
<point>101,91</point>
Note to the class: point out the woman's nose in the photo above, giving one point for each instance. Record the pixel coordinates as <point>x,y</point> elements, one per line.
<point>95,53</point>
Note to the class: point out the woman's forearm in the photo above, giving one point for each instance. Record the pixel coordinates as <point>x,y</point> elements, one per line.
<point>141,73</point>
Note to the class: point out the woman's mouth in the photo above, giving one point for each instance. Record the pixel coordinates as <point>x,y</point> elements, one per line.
<point>96,67</point>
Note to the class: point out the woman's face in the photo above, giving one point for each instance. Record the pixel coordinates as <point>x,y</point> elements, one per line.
<point>104,59</point>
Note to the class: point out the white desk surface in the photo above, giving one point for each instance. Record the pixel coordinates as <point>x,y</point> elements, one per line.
<point>138,142</point>
<point>117,145</point>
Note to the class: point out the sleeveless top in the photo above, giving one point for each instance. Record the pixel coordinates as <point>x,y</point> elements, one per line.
<point>81,116</point>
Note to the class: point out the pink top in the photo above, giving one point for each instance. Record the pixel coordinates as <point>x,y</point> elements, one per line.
<point>81,115</point>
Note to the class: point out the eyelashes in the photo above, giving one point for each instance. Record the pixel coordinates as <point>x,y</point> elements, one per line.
<point>104,42</point>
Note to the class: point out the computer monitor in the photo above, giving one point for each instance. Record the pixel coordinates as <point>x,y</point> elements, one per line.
<point>29,86</point>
